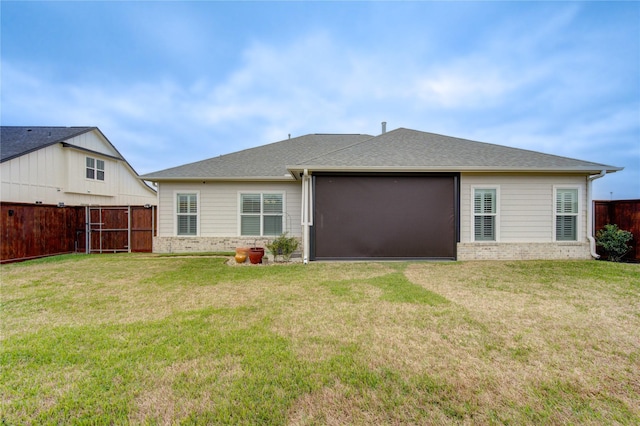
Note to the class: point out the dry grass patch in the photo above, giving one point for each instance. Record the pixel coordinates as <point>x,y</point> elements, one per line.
<point>152,340</point>
<point>553,332</point>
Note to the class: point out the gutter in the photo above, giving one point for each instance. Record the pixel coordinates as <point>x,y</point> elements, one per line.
<point>298,169</point>
<point>590,224</point>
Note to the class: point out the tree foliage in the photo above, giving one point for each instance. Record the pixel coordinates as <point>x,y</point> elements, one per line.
<point>614,241</point>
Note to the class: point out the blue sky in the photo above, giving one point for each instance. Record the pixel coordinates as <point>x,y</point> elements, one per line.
<point>175,82</point>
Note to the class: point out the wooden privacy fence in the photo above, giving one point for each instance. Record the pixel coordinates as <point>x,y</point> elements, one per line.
<point>625,214</point>
<point>30,230</point>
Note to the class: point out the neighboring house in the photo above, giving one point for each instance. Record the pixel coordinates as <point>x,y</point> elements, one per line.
<point>70,165</point>
<point>404,194</point>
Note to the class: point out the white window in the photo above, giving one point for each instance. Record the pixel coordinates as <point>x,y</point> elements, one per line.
<point>484,214</point>
<point>187,214</point>
<point>566,214</point>
<point>261,214</point>
<point>95,168</point>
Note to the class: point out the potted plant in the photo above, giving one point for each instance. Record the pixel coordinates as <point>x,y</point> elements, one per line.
<point>256,254</point>
<point>283,246</point>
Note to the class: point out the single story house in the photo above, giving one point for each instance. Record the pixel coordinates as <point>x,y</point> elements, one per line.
<point>403,194</point>
<point>70,166</point>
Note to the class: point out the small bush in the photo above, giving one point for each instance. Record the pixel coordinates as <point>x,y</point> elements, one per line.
<point>614,241</point>
<point>283,246</point>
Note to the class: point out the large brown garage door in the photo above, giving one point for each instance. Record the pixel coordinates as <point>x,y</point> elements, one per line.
<point>385,217</point>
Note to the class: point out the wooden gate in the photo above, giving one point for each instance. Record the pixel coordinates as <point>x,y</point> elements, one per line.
<point>119,229</point>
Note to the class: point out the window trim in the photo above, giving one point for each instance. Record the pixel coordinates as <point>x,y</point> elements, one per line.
<point>472,236</point>
<point>95,168</point>
<point>577,214</point>
<point>176,214</point>
<point>261,214</point>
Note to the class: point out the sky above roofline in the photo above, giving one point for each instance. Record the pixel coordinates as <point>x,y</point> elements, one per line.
<point>169,83</point>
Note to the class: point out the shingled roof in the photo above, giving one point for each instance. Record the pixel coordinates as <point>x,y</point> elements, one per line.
<point>400,150</point>
<point>406,149</point>
<point>263,162</point>
<point>16,141</point>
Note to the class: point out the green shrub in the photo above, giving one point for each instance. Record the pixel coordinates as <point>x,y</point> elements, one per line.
<point>283,246</point>
<point>614,241</point>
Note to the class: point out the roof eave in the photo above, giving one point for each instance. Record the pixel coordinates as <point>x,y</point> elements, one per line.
<point>152,178</point>
<point>295,170</point>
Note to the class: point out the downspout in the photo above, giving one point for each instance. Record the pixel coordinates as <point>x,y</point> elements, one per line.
<point>590,224</point>
<point>306,216</point>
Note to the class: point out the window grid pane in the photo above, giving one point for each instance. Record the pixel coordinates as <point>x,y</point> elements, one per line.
<point>187,225</point>
<point>272,225</point>
<point>272,203</point>
<point>485,228</point>
<point>250,203</point>
<point>566,228</point>
<point>187,203</point>
<point>250,225</point>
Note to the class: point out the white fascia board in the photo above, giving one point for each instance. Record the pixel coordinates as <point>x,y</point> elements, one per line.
<point>219,179</point>
<point>296,170</point>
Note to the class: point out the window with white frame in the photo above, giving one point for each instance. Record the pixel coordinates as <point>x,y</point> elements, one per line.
<point>261,214</point>
<point>94,168</point>
<point>187,214</point>
<point>566,214</point>
<point>484,214</point>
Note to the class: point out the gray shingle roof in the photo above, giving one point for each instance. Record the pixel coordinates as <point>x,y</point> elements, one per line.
<point>267,161</point>
<point>404,149</point>
<point>20,140</point>
<point>397,150</point>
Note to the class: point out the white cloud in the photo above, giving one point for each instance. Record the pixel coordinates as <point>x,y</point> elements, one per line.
<point>513,90</point>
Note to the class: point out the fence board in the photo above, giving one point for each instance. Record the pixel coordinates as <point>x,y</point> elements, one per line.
<point>30,231</point>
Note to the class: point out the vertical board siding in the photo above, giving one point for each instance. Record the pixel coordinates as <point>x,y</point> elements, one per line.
<point>625,214</point>
<point>94,142</point>
<point>526,205</point>
<point>218,207</point>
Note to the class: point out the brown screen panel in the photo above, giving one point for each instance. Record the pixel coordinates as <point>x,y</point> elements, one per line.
<point>391,217</point>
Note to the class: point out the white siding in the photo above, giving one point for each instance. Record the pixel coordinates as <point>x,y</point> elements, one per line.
<point>218,208</point>
<point>77,181</point>
<point>55,174</point>
<point>526,205</point>
<point>94,142</point>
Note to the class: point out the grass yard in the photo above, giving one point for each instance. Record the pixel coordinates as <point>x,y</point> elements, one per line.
<point>143,339</point>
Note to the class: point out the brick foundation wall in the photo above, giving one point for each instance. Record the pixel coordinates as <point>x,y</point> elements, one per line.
<point>466,251</point>
<point>206,244</point>
<point>523,251</point>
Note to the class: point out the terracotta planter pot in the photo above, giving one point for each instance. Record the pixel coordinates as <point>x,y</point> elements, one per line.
<point>256,254</point>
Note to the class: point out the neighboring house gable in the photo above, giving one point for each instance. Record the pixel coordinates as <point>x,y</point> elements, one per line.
<point>402,194</point>
<point>70,165</point>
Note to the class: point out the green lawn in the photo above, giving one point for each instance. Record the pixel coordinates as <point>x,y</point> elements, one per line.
<point>143,339</point>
